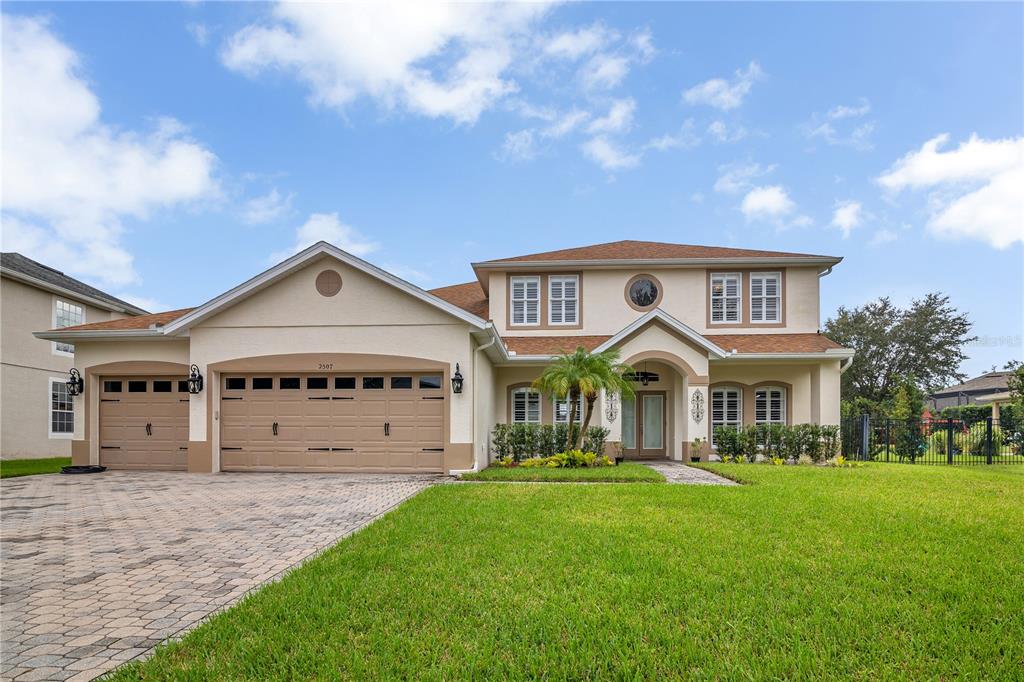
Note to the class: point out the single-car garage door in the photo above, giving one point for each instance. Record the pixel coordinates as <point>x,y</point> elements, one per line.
<point>333,422</point>
<point>144,422</point>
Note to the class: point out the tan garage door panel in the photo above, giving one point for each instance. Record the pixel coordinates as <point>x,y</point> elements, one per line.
<point>144,422</point>
<point>328,422</point>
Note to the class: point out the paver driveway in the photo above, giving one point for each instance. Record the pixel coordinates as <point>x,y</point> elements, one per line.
<point>98,569</point>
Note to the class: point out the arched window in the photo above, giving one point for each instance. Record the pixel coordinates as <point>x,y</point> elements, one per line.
<point>525,406</point>
<point>770,405</point>
<point>726,408</point>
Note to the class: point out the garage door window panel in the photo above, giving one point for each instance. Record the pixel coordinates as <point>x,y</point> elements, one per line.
<point>263,383</point>
<point>401,383</point>
<point>290,383</point>
<point>431,381</point>
<point>316,383</point>
<point>345,383</point>
<point>137,386</point>
<point>373,383</point>
<point>234,384</point>
<point>112,386</point>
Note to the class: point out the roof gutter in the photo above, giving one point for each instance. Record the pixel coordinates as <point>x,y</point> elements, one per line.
<point>71,337</point>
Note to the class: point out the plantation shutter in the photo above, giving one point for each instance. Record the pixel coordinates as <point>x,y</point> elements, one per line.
<point>525,300</point>
<point>525,406</point>
<point>770,405</point>
<point>726,409</point>
<point>725,297</point>
<point>765,297</point>
<point>562,411</point>
<point>564,300</point>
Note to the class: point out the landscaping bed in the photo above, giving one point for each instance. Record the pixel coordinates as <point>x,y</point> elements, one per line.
<point>810,573</point>
<point>624,472</point>
<point>10,468</point>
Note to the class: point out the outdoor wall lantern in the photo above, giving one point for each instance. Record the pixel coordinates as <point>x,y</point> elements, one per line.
<point>457,380</point>
<point>195,380</point>
<point>74,383</point>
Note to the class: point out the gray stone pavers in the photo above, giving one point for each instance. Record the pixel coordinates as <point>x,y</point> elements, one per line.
<point>677,472</point>
<point>98,569</point>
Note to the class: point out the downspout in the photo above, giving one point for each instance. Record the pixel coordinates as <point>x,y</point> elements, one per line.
<point>474,468</point>
<point>846,364</point>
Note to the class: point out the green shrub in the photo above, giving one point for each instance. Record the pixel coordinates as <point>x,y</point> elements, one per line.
<point>750,442</point>
<point>547,443</point>
<point>727,442</point>
<point>501,445</point>
<point>773,437</point>
<point>975,441</point>
<point>595,438</point>
<point>830,440</point>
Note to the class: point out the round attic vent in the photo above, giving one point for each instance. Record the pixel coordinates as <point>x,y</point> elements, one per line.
<point>328,283</point>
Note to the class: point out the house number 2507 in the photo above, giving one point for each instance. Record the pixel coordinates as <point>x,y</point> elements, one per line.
<point>325,365</point>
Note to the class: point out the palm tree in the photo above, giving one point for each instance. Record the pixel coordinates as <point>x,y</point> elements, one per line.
<point>585,374</point>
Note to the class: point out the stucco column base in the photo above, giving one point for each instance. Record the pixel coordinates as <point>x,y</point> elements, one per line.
<point>80,452</point>
<point>200,457</point>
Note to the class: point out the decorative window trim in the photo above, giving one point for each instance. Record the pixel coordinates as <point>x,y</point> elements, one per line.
<point>562,279</point>
<point>766,391</point>
<point>556,404</point>
<point>725,277</point>
<point>530,397</point>
<point>526,280</point>
<point>725,421</point>
<point>764,277</point>
<point>58,347</point>
<point>62,435</point>
<point>657,300</point>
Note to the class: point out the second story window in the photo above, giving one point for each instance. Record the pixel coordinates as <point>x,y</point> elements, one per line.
<point>563,299</point>
<point>725,297</point>
<point>525,300</point>
<point>66,315</point>
<point>765,297</point>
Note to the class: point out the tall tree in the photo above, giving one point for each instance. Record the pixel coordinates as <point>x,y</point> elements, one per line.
<point>925,341</point>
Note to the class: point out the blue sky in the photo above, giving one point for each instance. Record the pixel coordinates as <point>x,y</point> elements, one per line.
<point>167,152</point>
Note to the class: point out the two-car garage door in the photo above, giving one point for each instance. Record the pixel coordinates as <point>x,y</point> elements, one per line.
<point>332,422</point>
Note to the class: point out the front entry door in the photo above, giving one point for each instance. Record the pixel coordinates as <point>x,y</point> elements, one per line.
<point>651,423</point>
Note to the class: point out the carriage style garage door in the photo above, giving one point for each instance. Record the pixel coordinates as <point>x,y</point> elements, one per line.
<point>333,422</point>
<point>144,422</point>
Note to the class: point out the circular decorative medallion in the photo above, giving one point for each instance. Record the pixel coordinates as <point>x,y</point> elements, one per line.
<point>328,283</point>
<point>697,407</point>
<point>643,292</point>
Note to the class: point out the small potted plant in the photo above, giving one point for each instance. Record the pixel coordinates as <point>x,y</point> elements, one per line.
<point>619,459</point>
<point>695,449</point>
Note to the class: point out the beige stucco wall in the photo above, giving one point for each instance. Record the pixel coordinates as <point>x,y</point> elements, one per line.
<point>26,366</point>
<point>482,393</point>
<point>805,400</point>
<point>605,311</point>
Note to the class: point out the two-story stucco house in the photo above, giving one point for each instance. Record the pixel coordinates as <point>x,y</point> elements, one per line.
<point>327,363</point>
<point>37,416</point>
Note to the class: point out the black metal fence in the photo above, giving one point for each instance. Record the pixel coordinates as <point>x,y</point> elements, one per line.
<point>936,441</point>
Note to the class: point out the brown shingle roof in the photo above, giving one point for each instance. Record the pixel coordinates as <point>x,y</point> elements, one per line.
<point>992,381</point>
<point>743,343</point>
<point>469,296</point>
<point>138,322</point>
<point>637,250</point>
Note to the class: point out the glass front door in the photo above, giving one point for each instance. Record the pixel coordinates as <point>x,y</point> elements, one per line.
<point>652,423</point>
<point>628,425</point>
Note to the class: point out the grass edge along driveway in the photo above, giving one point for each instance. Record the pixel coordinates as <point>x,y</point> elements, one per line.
<point>11,468</point>
<point>810,572</point>
<point>626,472</point>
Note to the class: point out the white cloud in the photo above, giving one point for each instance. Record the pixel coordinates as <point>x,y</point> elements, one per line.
<point>326,227</point>
<point>836,127</point>
<point>200,32</point>
<point>566,123</point>
<point>723,133</point>
<point>518,146</point>
<point>734,178</point>
<point>976,188</point>
<point>267,208</point>
<point>618,120</point>
<point>882,237</point>
<point>69,180</point>
<point>436,60</point>
<point>723,94</point>
<point>575,44</point>
<point>604,71</point>
<point>686,138</point>
<point>643,43</point>
<point>609,154</point>
<point>846,111</point>
<point>769,202</point>
<point>847,217</point>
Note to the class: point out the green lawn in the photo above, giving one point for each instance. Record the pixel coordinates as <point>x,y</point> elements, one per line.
<point>625,472</point>
<point>10,468</point>
<point>808,572</point>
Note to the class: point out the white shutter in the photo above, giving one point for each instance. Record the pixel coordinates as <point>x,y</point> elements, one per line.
<point>765,297</point>
<point>525,298</point>
<point>770,405</point>
<point>563,299</point>
<point>725,297</point>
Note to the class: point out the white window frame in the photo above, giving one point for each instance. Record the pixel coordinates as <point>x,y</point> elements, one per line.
<point>525,280</point>
<point>50,409</point>
<point>763,278</point>
<point>725,421</point>
<point>767,391</point>
<point>560,410</point>
<point>561,301</point>
<point>58,347</point>
<point>531,396</point>
<point>724,297</point>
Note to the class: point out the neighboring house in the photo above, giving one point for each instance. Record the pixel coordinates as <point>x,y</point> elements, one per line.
<point>328,363</point>
<point>37,416</point>
<point>969,392</point>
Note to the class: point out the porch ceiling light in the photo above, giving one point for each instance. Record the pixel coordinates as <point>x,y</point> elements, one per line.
<point>457,380</point>
<point>195,380</point>
<point>74,383</point>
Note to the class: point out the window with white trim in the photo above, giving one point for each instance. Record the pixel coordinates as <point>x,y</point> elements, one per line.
<point>525,406</point>
<point>525,298</point>
<point>765,297</point>
<point>62,410</point>
<point>725,297</point>
<point>561,410</point>
<point>563,299</point>
<point>66,315</point>
<point>770,405</point>
<point>726,409</point>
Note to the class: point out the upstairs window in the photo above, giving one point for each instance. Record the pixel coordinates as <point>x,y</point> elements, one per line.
<point>66,315</point>
<point>725,297</point>
<point>561,408</point>
<point>525,300</point>
<point>563,299</point>
<point>525,406</point>
<point>726,409</point>
<point>765,297</point>
<point>770,405</point>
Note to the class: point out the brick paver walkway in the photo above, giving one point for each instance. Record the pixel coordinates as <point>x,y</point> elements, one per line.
<point>98,569</point>
<point>677,472</point>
